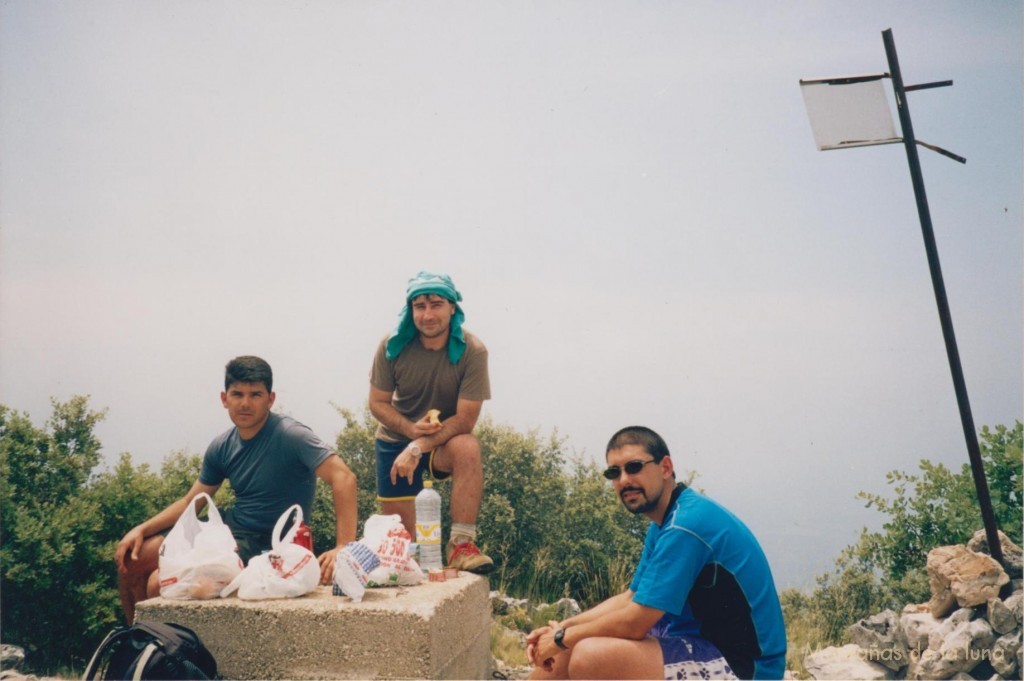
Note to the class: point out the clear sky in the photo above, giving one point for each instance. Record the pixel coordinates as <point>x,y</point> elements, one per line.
<point>628,195</point>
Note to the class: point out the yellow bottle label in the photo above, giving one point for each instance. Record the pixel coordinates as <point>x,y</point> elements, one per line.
<point>428,533</point>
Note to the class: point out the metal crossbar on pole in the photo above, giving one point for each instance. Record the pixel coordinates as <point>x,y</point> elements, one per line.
<point>945,318</point>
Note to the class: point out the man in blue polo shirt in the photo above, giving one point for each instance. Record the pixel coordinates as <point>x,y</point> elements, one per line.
<point>702,603</point>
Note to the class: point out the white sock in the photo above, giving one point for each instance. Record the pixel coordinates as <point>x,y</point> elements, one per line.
<point>463,532</point>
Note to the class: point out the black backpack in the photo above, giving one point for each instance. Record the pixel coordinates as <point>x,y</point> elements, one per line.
<point>151,650</point>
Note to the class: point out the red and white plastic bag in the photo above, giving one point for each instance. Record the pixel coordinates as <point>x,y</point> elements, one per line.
<point>288,570</point>
<point>389,539</point>
<point>197,559</point>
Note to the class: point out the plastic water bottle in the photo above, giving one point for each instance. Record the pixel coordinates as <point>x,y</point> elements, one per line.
<point>428,526</point>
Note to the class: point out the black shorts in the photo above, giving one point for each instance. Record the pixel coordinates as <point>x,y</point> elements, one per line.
<point>250,543</point>
<point>387,452</point>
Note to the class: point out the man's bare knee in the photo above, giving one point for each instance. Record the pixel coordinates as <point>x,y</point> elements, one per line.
<point>463,448</point>
<point>614,658</point>
<point>586,654</point>
<point>148,560</point>
<point>466,442</point>
<point>153,584</point>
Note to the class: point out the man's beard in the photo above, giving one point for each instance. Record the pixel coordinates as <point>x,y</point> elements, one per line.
<point>646,506</point>
<point>435,332</point>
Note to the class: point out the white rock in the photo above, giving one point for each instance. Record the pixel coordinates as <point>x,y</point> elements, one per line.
<point>878,635</point>
<point>1004,654</point>
<point>968,645</point>
<point>1013,557</point>
<point>1014,603</point>
<point>1000,617</point>
<point>931,665</point>
<point>566,608</point>
<point>846,662</point>
<point>915,627</point>
<point>948,626</point>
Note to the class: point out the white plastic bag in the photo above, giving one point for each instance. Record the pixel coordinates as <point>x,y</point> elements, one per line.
<point>198,558</point>
<point>389,539</point>
<point>286,571</point>
<point>352,566</point>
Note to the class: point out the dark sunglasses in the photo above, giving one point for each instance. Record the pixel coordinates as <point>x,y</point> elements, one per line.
<point>631,467</point>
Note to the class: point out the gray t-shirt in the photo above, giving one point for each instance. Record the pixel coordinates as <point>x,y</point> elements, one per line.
<point>268,473</point>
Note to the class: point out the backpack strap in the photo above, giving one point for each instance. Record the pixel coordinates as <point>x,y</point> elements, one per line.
<point>194,672</point>
<point>112,641</point>
<point>140,664</point>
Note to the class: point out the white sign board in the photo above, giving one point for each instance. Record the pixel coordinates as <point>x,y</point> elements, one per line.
<point>849,112</point>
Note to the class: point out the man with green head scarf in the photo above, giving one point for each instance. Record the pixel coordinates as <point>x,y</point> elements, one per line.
<point>427,386</point>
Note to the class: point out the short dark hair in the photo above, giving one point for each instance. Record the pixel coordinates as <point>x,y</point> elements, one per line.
<point>248,369</point>
<point>652,443</point>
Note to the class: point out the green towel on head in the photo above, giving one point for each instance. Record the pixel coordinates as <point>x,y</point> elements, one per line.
<point>422,283</point>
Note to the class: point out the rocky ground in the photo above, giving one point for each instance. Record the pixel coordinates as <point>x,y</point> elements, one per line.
<point>11,660</point>
<point>509,672</point>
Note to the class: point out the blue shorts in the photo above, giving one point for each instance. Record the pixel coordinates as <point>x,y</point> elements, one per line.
<point>387,452</point>
<point>691,657</point>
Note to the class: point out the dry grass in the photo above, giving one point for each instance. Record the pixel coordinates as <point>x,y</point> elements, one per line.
<point>507,645</point>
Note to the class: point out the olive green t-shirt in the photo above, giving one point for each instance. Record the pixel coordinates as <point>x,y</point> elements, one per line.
<point>421,379</point>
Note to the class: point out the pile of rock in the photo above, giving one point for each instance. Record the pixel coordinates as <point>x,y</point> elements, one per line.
<point>970,629</point>
<point>12,659</point>
<point>501,604</point>
<point>519,610</point>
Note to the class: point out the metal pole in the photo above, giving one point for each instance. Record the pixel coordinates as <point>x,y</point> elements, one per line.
<point>973,451</point>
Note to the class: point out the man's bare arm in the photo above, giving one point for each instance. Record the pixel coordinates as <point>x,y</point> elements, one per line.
<point>342,480</point>
<point>627,620</point>
<point>604,607</point>
<point>467,412</point>
<point>385,412</point>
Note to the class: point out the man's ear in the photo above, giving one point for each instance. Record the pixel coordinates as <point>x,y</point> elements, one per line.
<point>224,399</point>
<point>273,396</point>
<point>667,467</point>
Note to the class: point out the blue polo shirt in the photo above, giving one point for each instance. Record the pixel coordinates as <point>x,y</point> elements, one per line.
<point>706,571</point>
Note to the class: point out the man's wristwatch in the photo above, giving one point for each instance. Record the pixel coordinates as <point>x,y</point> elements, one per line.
<point>559,635</point>
<point>414,450</point>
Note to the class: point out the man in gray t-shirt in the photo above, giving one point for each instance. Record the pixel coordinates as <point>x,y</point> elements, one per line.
<point>268,472</point>
<point>272,462</point>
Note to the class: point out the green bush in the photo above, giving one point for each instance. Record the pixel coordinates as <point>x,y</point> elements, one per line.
<point>886,569</point>
<point>56,576</point>
<point>355,445</point>
<point>939,507</point>
<point>59,527</point>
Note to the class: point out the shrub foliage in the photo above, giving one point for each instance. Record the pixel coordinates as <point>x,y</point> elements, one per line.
<point>550,521</point>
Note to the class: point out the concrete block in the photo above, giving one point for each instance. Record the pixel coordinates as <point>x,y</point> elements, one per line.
<point>434,630</point>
